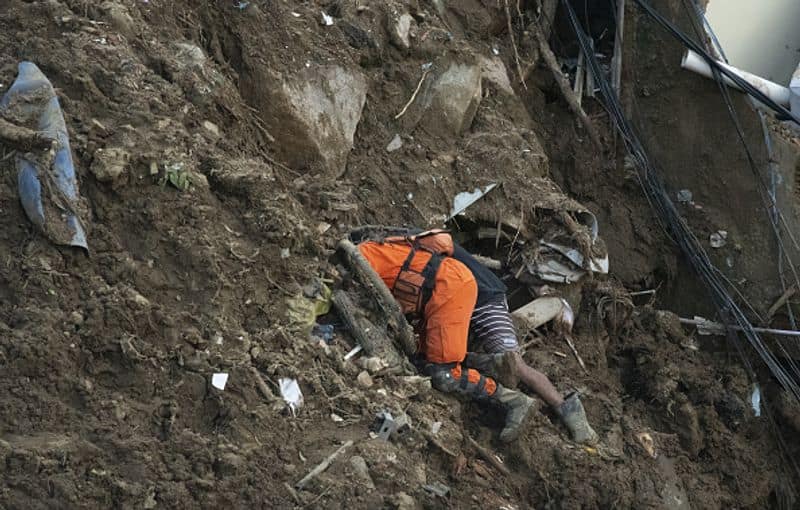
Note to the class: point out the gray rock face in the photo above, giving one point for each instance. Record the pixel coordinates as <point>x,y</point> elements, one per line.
<point>453,100</point>
<point>400,30</point>
<point>313,114</point>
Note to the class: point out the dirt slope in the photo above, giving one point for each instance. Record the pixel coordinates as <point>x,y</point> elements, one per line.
<point>107,358</point>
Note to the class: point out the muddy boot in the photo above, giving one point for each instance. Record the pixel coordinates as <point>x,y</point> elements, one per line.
<point>502,366</point>
<point>574,417</point>
<point>518,405</point>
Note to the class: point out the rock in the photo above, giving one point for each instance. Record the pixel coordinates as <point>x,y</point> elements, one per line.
<point>119,18</point>
<point>400,30</point>
<point>402,501</point>
<point>372,364</point>
<point>453,100</point>
<point>211,127</point>
<point>189,56</point>
<point>313,114</point>
<point>361,472</point>
<point>493,70</point>
<point>109,165</point>
<point>395,144</point>
<point>364,379</point>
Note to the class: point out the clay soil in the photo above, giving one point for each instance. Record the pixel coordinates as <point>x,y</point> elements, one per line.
<point>106,358</point>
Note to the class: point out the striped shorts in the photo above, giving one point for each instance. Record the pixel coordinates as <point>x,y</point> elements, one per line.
<point>491,329</point>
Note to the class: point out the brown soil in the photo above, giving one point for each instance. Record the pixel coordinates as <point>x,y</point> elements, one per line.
<point>107,358</point>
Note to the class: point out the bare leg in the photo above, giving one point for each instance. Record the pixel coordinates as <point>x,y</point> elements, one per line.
<point>539,383</point>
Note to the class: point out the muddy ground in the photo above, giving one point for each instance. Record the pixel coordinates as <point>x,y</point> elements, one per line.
<point>107,357</point>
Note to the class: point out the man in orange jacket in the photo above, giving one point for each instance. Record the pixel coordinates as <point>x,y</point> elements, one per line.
<point>434,281</point>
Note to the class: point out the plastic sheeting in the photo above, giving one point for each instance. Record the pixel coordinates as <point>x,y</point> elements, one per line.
<point>46,180</point>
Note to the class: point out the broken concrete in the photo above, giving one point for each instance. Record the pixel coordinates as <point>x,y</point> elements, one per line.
<point>400,30</point>
<point>312,114</point>
<point>453,100</point>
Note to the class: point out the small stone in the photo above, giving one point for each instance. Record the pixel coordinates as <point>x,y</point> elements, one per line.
<point>364,379</point>
<point>402,501</point>
<point>211,127</point>
<point>400,31</point>
<point>395,144</point>
<point>684,196</point>
<point>372,364</point>
<point>76,318</point>
<point>361,471</point>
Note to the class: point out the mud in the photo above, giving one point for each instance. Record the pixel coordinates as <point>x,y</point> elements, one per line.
<point>107,357</point>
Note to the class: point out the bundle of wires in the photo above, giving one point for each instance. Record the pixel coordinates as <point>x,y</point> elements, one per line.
<point>655,192</point>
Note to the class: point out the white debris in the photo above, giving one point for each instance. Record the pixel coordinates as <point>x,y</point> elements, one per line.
<point>219,380</point>
<point>290,391</point>
<point>718,239</point>
<point>327,20</point>
<point>465,199</point>
<point>435,427</point>
<point>755,400</point>
<point>336,418</point>
<point>395,144</point>
<point>285,253</point>
<point>684,196</point>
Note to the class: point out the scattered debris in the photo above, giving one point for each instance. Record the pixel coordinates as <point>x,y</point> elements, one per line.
<point>400,31</point>
<point>436,427</point>
<point>684,196</point>
<point>755,400</point>
<point>303,310</point>
<point>372,364</point>
<point>541,311</point>
<point>336,418</point>
<point>387,425</point>
<point>364,379</point>
<point>326,19</point>
<point>219,380</point>
<point>646,440</point>
<point>322,466</point>
<point>466,198</point>
<point>355,350</point>
<point>324,332</point>
<point>176,175</point>
<point>438,489</point>
<point>395,144</point>
<point>290,391</point>
<point>718,239</point>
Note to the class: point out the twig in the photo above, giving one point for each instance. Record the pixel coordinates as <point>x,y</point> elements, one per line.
<point>414,95</point>
<point>564,86</point>
<point>488,456</point>
<point>791,291</point>
<point>514,45</point>
<point>322,466</point>
<point>571,344</point>
<point>293,493</point>
<point>262,386</point>
<point>435,442</point>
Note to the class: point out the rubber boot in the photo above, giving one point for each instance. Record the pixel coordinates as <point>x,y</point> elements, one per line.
<point>502,366</point>
<point>518,405</point>
<point>574,417</point>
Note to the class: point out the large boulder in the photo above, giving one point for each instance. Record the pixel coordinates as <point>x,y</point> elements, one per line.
<point>453,100</point>
<point>312,114</point>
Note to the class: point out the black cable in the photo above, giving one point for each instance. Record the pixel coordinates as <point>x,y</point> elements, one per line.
<point>665,210</point>
<point>712,62</point>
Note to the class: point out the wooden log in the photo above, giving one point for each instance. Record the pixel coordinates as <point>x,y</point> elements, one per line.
<point>395,319</point>
<point>580,79</point>
<point>563,84</point>
<point>362,329</point>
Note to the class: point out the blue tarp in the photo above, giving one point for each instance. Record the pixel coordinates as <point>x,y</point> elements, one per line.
<point>48,189</point>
